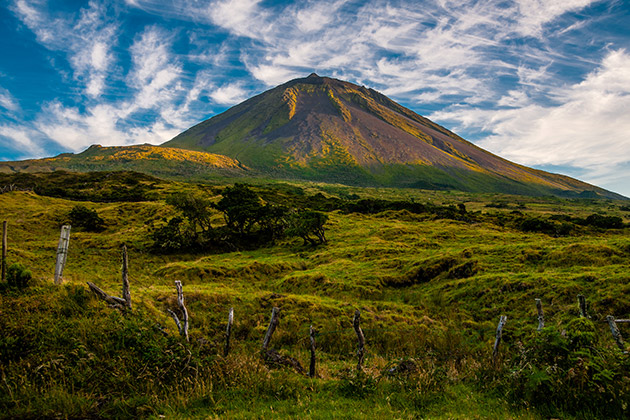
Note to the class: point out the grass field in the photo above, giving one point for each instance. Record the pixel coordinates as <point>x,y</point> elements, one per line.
<point>430,291</point>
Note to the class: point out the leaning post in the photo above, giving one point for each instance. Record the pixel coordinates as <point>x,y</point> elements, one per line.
<point>273,323</point>
<point>497,341</point>
<point>126,293</point>
<point>616,333</point>
<point>62,253</point>
<point>4,250</point>
<point>360,338</point>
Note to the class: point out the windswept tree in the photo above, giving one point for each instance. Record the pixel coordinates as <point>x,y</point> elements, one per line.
<point>195,208</point>
<point>241,207</point>
<point>308,225</point>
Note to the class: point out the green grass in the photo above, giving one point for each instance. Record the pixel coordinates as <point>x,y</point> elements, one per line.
<point>65,354</point>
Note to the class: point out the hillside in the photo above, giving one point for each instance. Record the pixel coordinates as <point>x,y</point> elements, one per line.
<point>318,128</point>
<point>430,280</point>
<point>159,161</point>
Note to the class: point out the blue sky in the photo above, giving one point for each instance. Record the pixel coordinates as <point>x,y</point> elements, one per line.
<point>542,83</point>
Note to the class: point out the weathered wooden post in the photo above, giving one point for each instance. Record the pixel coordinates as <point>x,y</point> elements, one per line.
<point>541,317</point>
<point>62,252</point>
<point>497,341</point>
<point>273,323</point>
<point>228,332</point>
<point>311,369</point>
<point>616,333</point>
<point>113,301</point>
<point>360,337</point>
<point>183,325</point>
<point>126,293</point>
<point>582,305</point>
<point>4,250</point>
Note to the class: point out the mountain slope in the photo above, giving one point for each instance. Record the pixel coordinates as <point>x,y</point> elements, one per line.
<point>325,129</point>
<point>154,160</point>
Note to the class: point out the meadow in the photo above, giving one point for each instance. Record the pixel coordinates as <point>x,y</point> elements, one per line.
<point>430,286</point>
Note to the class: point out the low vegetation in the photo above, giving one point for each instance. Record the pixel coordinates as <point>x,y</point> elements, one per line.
<point>431,272</point>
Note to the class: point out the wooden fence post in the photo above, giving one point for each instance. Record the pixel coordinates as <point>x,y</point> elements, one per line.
<point>273,323</point>
<point>311,369</point>
<point>113,301</point>
<point>616,333</point>
<point>126,293</point>
<point>183,325</point>
<point>541,317</point>
<point>582,305</point>
<point>228,332</point>
<point>4,250</point>
<point>497,341</point>
<point>360,337</point>
<point>62,253</point>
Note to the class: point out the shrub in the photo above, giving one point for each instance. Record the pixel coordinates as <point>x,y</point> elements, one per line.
<point>88,219</point>
<point>18,275</point>
<point>308,225</point>
<point>604,222</point>
<point>570,372</point>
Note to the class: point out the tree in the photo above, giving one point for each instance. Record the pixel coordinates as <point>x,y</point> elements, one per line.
<point>241,207</point>
<point>308,223</point>
<point>195,208</point>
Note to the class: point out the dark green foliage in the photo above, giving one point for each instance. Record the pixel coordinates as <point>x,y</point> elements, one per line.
<point>195,208</point>
<point>241,208</point>
<point>18,276</point>
<point>604,222</point>
<point>308,225</point>
<point>87,219</point>
<point>249,223</point>
<point>170,237</point>
<point>92,186</point>
<point>548,226</point>
<point>570,372</point>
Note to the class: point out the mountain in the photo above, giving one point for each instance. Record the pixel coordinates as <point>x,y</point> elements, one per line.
<point>160,161</point>
<point>324,129</point>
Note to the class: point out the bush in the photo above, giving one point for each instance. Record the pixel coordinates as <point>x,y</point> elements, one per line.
<point>308,225</point>
<point>18,275</point>
<point>604,222</point>
<point>571,372</point>
<point>87,219</point>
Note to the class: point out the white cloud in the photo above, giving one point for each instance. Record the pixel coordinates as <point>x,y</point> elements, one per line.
<point>22,139</point>
<point>7,101</point>
<point>87,41</point>
<point>587,129</point>
<point>229,94</point>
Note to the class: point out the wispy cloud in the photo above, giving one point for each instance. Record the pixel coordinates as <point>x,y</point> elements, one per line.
<point>586,129</point>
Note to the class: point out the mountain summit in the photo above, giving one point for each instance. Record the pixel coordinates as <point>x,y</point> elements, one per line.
<point>324,129</point>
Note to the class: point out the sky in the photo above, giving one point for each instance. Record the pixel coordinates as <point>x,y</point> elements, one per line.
<point>544,83</point>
